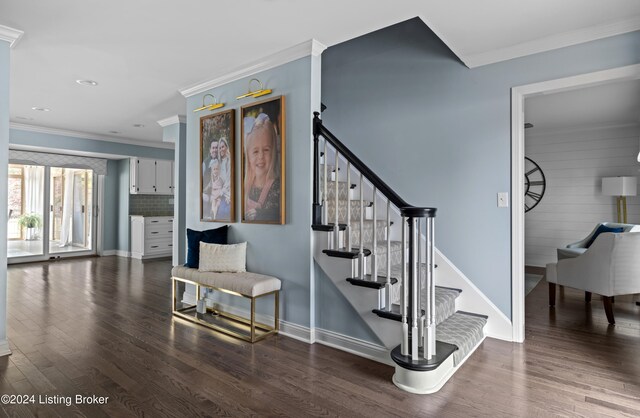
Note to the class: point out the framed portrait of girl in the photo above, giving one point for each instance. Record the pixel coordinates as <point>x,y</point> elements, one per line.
<point>263,162</point>
<point>217,174</point>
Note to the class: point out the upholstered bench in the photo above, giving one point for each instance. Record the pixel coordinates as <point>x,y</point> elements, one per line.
<point>247,285</point>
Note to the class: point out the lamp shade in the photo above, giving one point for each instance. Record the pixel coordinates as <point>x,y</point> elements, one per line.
<point>620,186</point>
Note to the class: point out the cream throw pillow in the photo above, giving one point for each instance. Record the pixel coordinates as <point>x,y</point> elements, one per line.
<point>231,258</point>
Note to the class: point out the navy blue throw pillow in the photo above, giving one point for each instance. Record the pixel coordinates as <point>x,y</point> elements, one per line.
<point>210,236</point>
<point>602,229</point>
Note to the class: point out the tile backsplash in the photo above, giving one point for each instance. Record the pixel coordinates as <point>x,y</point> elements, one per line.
<point>150,205</point>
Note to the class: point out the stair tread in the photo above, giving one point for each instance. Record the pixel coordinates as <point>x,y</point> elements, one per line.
<point>444,296</point>
<point>443,351</point>
<point>463,330</point>
<point>344,253</point>
<point>379,283</point>
<point>327,227</point>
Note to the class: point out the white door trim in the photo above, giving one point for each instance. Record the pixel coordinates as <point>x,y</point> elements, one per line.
<point>518,94</point>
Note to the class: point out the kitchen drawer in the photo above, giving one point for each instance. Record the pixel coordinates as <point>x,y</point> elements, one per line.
<point>158,220</point>
<point>158,230</point>
<point>157,245</point>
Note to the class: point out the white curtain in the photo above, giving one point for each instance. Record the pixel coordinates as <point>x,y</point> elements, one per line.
<point>67,208</point>
<point>33,189</point>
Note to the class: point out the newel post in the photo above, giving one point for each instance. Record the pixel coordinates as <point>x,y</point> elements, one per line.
<point>316,213</point>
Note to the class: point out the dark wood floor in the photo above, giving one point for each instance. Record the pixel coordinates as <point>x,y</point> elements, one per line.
<point>102,327</point>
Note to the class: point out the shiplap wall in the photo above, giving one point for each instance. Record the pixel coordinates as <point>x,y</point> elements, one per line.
<point>574,162</point>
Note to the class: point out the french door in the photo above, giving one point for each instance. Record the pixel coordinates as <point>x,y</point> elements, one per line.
<point>51,212</point>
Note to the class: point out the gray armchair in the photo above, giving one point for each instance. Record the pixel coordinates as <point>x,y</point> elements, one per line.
<point>609,267</point>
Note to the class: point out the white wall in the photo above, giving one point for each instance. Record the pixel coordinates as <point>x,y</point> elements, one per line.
<point>574,162</point>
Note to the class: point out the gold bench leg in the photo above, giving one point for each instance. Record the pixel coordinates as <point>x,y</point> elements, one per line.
<point>253,319</point>
<point>277,313</point>
<point>173,294</point>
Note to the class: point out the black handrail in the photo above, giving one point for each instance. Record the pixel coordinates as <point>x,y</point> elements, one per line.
<point>405,208</point>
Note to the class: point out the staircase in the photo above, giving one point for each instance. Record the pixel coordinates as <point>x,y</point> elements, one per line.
<point>379,252</point>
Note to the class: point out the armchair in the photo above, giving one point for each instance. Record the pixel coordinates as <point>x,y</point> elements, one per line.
<point>609,267</point>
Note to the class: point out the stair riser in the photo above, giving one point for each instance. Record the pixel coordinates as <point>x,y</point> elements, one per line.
<point>342,209</point>
<point>344,191</point>
<point>464,331</point>
<point>381,232</point>
<point>381,263</point>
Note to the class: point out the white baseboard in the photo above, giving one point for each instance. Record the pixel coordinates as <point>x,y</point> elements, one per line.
<point>122,253</point>
<point>4,348</point>
<point>295,331</point>
<point>332,339</point>
<point>353,345</point>
<point>107,253</point>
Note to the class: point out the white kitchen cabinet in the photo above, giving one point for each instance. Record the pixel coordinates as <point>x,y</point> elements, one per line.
<point>149,176</point>
<point>164,177</point>
<point>151,236</point>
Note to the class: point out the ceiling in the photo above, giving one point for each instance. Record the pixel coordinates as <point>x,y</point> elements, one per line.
<point>608,104</point>
<point>142,52</point>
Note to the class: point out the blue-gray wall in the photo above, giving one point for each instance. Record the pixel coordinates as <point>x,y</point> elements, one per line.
<point>110,208</point>
<point>171,132</point>
<point>283,251</point>
<point>179,134</point>
<point>4,169</point>
<point>116,193</point>
<point>439,132</point>
<point>123,205</point>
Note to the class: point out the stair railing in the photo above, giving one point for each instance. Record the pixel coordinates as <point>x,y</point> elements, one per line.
<point>417,293</point>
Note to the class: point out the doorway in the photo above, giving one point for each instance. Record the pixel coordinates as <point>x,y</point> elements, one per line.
<point>518,180</point>
<point>51,212</point>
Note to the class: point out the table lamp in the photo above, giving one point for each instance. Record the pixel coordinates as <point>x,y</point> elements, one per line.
<point>621,187</point>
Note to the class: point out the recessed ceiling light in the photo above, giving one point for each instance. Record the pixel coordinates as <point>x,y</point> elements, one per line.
<point>87,83</point>
<point>41,109</point>
<point>114,132</point>
<point>138,125</point>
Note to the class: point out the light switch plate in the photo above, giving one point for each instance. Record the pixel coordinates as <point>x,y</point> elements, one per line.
<point>503,200</point>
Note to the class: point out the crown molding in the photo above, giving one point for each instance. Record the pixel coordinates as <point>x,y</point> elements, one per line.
<point>10,35</point>
<point>33,148</point>
<point>172,120</point>
<point>310,47</point>
<point>86,135</point>
<point>552,42</point>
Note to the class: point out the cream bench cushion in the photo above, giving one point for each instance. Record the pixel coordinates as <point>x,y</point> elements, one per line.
<point>245,283</point>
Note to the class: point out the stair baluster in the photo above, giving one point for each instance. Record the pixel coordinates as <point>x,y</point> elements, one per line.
<point>414,287</point>
<point>431,331</point>
<point>347,232</point>
<point>374,246</point>
<point>404,348</point>
<point>421,284</point>
<point>361,271</point>
<point>336,226</point>
<point>387,303</point>
<point>325,200</point>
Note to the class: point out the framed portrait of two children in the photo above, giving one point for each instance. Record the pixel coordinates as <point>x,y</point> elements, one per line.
<point>262,164</point>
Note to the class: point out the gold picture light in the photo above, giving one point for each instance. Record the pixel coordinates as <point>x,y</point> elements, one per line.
<point>255,93</point>
<point>212,106</point>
